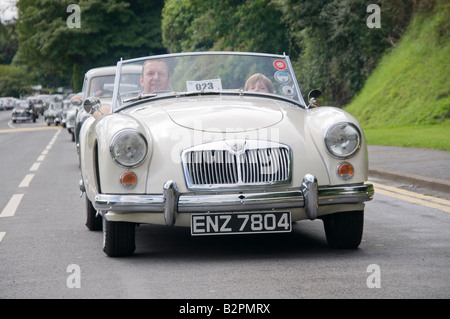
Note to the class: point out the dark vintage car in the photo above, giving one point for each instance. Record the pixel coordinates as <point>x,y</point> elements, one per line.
<point>37,104</point>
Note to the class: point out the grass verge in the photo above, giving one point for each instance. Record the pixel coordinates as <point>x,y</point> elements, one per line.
<point>406,101</point>
<point>435,136</point>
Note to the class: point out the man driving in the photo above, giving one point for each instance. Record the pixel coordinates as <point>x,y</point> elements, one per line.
<point>155,76</point>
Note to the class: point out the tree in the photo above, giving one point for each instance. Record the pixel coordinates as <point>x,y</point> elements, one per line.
<point>329,41</point>
<point>60,54</point>
<point>240,25</point>
<point>8,43</point>
<point>14,81</point>
<point>334,49</point>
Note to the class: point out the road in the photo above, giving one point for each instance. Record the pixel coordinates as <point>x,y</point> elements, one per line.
<point>47,252</point>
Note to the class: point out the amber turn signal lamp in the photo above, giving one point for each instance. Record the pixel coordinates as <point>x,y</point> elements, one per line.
<point>345,170</point>
<point>128,179</point>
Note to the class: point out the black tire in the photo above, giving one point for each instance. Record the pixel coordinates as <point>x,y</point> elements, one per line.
<point>344,230</point>
<point>118,238</point>
<point>93,221</point>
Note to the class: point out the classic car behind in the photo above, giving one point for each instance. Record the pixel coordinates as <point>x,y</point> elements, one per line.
<point>53,113</point>
<point>68,116</point>
<point>99,82</point>
<point>200,146</point>
<point>7,102</point>
<point>23,111</point>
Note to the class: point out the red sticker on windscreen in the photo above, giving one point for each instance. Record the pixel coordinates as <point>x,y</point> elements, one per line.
<point>279,64</point>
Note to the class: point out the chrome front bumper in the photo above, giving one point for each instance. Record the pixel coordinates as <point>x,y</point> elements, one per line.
<point>21,118</point>
<point>309,197</point>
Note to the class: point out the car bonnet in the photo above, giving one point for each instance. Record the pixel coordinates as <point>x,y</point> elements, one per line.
<point>223,114</point>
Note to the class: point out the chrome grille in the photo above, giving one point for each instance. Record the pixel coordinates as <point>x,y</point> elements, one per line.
<point>212,167</point>
<point>219,166</point>
<point>269,165</point>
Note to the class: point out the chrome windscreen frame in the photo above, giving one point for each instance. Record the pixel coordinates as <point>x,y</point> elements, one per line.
<point>120,64</point>
<point>116,86</point>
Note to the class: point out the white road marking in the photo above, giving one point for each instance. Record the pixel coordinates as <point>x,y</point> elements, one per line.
<point>35,166</point>
<point>11,207</point>
<point>13,129</point>
<point>14,202</point>
<point>27,180</point>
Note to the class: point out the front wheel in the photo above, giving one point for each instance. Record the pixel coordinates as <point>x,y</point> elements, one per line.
<point>118,238</point>
<point>93,220</point>
<point>344,230</point>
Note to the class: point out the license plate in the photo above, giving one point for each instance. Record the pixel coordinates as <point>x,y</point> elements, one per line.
<point>240,223</point>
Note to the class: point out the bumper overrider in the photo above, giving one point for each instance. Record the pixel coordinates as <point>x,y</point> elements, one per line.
<point>309,196</point>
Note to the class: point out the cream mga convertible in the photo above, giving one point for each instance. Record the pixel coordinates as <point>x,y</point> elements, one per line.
<point>223,143</point>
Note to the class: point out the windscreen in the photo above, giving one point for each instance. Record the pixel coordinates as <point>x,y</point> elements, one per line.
<point>207,72</point>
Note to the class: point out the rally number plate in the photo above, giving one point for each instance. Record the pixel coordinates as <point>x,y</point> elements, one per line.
<point>240,223</point>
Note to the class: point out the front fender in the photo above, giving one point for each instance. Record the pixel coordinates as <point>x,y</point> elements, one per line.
<point>318,121</point>
<point>86,154</point>
<point>101,173</point>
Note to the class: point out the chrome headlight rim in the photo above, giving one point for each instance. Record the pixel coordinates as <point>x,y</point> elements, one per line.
<point>115,156</point>
<point>347,154</point>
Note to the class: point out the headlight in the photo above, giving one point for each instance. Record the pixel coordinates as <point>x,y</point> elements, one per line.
<point>343,140</point>
<point>128,148</point>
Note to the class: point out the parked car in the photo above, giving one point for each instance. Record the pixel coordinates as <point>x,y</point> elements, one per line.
<point>23,111</point>
<point>8,103</point>
<point>196,147</point>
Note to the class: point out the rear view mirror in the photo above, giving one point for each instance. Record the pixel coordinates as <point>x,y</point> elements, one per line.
<point>91,105</point>
<point>313,97</point>
<point>75,102</point>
